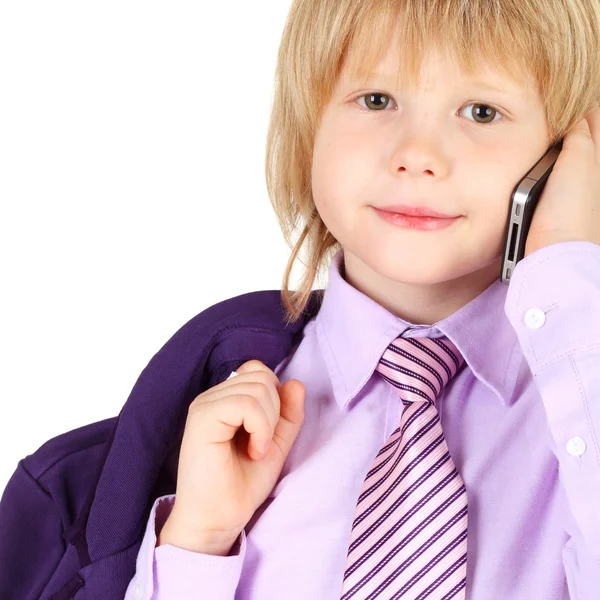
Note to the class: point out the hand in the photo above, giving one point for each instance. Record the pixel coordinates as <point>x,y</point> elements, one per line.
<point>223,475</point>
<point>569,206</point>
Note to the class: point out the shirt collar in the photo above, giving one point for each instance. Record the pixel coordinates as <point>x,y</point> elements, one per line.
<point>480,330</point>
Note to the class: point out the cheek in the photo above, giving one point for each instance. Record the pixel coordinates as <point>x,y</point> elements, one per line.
<point>488,225</point>
<point>340,173</point>
<point>325,174</point>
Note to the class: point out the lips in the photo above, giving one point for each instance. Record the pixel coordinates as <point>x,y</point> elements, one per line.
<point>416,223</point>
<point>416,211</point>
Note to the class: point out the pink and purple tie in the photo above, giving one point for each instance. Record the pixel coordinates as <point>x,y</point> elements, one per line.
<point>409,535</point>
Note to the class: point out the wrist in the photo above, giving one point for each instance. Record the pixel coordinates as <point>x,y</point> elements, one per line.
<point>202,542</point>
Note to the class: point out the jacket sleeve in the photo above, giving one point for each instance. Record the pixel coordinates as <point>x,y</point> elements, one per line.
<point>553,303</point>
<point>31,541</point>
<point>171,573</point>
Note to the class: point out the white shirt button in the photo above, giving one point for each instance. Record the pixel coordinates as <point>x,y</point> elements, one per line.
<point>535,318</point>
<point>139,590</point>
<point>576,446</point>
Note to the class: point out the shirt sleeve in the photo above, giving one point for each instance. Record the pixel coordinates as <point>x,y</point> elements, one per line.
<point>553,303</point>
<point>172,573</point>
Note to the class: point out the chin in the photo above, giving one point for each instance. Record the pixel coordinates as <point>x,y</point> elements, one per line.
<point>407,267</point>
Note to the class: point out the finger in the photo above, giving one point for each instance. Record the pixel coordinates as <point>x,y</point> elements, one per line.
<point>246,384</point>
<point>231,413</point>
<point>265,394</point>
<point>265,375</point>
<point>293,395</point>
<point>580,142</point>
<point>250,371</point>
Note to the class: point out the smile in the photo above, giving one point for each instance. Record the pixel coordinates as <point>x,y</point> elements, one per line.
<point>421,223</point>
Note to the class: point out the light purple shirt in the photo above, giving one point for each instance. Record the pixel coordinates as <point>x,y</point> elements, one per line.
<point>522,424</point>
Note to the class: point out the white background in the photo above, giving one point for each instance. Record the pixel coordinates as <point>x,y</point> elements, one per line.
<point>132,194</point>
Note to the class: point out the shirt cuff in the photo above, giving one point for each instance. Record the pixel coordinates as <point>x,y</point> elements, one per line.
<point>172,573</point>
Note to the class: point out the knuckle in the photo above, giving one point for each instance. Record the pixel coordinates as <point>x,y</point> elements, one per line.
<point>196,405</point>
<point>254,364</point>
<point>258,369</point>
<point>264,389</point>
<point>248,401</point>
<point>257,363</point>
<point>259,390</point>
<point>264,377</point>
<point>202,398</point>
<point>259,378</point>
<point>196,418</point>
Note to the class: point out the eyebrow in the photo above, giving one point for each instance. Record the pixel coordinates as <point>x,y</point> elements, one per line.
<point>475,82</point>
<point>488,86</point>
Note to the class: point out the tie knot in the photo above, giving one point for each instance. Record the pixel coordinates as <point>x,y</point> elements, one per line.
<point>420,367</point>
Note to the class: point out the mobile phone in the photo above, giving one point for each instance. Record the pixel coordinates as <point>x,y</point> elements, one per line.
<point>524,199</point>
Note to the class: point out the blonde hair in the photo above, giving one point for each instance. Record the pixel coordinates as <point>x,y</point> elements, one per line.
<point>558,41</point>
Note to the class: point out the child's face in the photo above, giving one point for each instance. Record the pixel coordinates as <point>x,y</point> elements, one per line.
<point>428,147</point>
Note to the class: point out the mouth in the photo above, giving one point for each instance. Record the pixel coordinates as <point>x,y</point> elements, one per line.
<point>423,223</point>
<point>415,211</point>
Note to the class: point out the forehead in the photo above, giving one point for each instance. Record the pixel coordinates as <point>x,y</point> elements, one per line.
<point>398,62</point>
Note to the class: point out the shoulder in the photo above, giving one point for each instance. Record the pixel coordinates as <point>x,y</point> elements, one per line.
<point>258,309</point>
<point>86,441</point>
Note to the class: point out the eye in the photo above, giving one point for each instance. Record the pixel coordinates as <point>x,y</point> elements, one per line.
<point>374,99</point>
<point>484,111</point>
<point>377,102</point>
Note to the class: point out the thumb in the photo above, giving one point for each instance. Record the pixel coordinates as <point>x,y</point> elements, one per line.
<point>291,415</point>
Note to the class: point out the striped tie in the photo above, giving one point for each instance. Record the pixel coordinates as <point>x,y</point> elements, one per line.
<point>409,535</point>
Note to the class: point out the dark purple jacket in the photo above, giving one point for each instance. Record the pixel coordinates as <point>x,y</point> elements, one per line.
<point>73,514</point>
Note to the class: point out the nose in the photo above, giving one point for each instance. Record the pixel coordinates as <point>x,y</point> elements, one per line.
<point>419,155</point>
